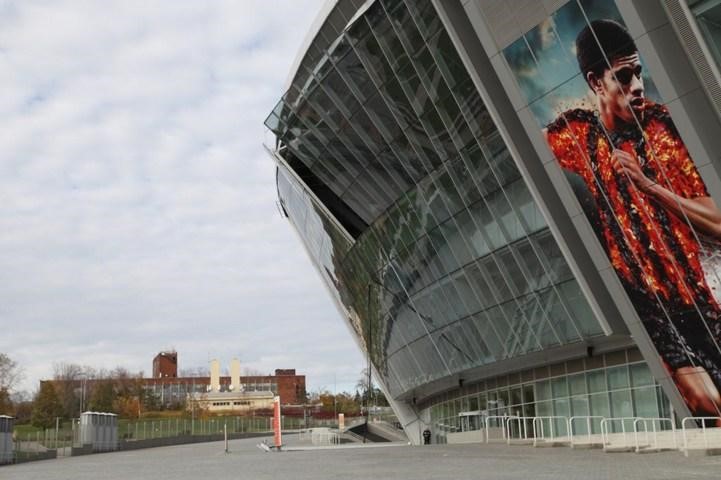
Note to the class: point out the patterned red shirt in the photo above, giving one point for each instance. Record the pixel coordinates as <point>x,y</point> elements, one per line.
<point>651,248</point>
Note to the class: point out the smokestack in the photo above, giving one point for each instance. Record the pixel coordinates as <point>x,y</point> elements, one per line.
<point>235,375</point>
<point>214,375</point>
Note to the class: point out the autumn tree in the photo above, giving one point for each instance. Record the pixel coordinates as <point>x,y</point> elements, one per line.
<point>47,406</point>
<point>103,396</point>
<point>343,402</point>
<point>127,407</point>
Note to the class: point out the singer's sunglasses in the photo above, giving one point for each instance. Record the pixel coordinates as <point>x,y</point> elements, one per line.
<point>626,74</point>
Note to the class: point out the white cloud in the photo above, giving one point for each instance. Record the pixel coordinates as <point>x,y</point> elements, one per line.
<point>137,206</point>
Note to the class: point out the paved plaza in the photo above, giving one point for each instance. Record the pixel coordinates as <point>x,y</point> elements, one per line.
<point>477,462</point>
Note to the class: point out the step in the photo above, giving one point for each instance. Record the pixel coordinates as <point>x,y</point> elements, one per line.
<point>587,445</point>
<point>551,443</point>
<point>702,452</point>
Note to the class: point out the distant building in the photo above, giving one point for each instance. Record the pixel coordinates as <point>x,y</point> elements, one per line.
<point>171,390</point>
<point>165,365</point>
<point>241,402</point>
<point>174,390</point>
<point>231,396</point>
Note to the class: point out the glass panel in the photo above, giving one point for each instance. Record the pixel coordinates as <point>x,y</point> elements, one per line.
<point>528,396</point>
<point>449,64</point>
<point>708,17</point>
<point>644,402</point>
<point>516,396</point>
<point>580,407</point>
<point>503,398</point>
<point>353,72</point>
<point>579,309</point>
<point>599,408</point>
<point>559,387</point>
<point>596,381</point>
<point>640,375</point>
<point>406,28</point>
<point>618,377</point>
<point>621,404</point>
<point>577,384</point>
<point>544,409</point>
<point>369,52</point>
<point>561,408</point>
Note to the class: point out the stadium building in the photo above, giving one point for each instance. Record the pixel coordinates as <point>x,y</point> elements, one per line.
<point>512,203</point>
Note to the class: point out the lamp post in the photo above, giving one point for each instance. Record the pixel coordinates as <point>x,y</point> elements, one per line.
<point>83,383</point>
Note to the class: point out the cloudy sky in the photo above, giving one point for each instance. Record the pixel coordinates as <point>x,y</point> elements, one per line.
<point>137,206</point>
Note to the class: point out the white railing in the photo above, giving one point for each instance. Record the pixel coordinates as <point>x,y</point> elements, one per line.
<point>704,430</point>
<point>522,423</point>
<point>654,423</point>
<point>324,436</point>
<point>539,430</point>
<point>490,420</point>
<point>606,439</point>
<point>629,433</point>
<point>589,427</point>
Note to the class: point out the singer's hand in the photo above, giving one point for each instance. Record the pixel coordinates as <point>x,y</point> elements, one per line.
<point>626,164</point>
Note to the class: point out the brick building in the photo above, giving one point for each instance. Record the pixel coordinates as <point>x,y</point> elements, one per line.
<point>165,365</point>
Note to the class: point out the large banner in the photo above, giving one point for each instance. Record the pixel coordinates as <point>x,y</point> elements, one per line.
<point>603,119</point>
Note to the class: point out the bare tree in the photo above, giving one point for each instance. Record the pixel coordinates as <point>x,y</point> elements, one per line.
<point>70,385</point>
<point>10,373</point>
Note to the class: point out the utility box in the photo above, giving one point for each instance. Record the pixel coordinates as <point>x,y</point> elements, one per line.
<point>99,430</point>
<point>113,440</point>
<point>7,425</point>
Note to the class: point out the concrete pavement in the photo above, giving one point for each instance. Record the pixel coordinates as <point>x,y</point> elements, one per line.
<point>478,462</point>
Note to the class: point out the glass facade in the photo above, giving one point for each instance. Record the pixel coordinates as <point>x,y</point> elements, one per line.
<point>412,208</point>
<point>616,385</point>
<point>708,18</point>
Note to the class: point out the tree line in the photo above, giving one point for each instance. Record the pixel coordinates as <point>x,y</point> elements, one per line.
<point>77,388</point>
<point>73,389</point>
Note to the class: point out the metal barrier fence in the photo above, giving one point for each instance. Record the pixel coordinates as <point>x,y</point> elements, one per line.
<point>492,422</point>
<point>605,433</point>
<point>172,427</point>
<point>41,443</point>
<point>631,433</point>
<point>324,436</point>
<point>521,431</point>
<point>637,434</point>
<point>539,428</point>
<point>589,423</point>
<point>704,430</point>
<point>38,444</point>
<point>654,422</point>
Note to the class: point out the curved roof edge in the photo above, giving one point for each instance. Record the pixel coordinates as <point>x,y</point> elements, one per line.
<point>320,19</point>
